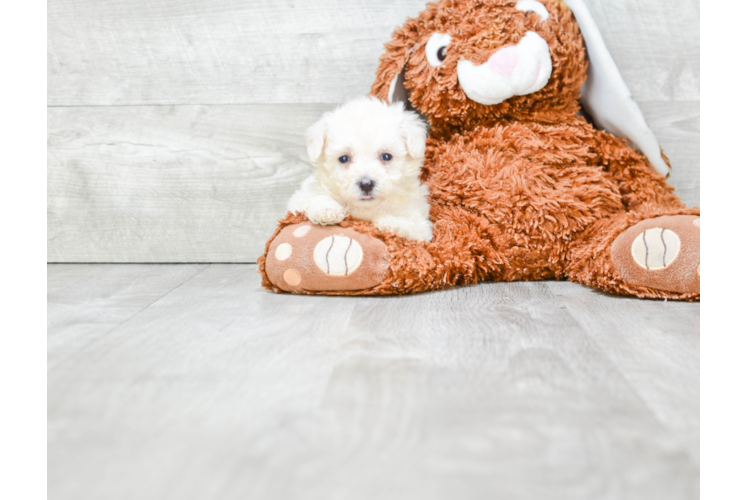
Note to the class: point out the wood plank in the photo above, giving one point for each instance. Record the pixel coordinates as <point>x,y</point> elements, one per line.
<point>171,184</point>
<point>656,45</point>
<point>665,378</point>
<point>217,51</point>
<point>270,51</point>
<point>511,390</point>
<point>676,124</point>
<point>208,183</point>
<point>84,302</point>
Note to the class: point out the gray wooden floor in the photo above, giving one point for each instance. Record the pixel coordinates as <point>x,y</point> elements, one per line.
<point>191,382</point>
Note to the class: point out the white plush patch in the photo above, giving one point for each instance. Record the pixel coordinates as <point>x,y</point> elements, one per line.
<point>533,6</point>
<point>606,96</point>
<point>655,248</point>
<point>302,231</point>
<point>338,255</point>
<point>498,79</point>
<point>283,251</point>
<point>436,42</point>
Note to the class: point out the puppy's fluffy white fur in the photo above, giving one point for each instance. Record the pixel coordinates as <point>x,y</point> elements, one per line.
<point>368,157</point>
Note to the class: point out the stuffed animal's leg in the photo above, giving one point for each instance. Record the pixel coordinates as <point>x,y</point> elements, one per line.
<point>354,258</point>
<point>641,187</point>
<point>652,254</point>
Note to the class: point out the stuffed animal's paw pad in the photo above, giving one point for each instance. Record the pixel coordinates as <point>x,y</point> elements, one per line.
<point>655,248</point>
<point>338,256</point>
<point>311,258</point>
<point>661,253</point>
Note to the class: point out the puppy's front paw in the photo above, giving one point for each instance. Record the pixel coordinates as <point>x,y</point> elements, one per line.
<point>425,232</point>
<point>398,225</point>
<point>405,227</point>
<point>326,215</point>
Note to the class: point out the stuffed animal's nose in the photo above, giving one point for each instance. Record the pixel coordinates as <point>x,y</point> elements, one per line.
<point>504,61</point>
<point>366,185</point>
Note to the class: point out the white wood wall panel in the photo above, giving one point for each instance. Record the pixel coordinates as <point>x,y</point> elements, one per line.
<point>172,183</point>
<point>216,51</point>
<point>676,124</point>
<point>176,128</point>
<point>208,183</point>
<point>270,51</point>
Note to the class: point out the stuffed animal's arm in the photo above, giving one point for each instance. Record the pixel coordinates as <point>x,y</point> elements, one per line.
<point>637,181</point>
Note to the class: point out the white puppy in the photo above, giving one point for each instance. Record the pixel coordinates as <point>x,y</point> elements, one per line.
<point>368,158</point>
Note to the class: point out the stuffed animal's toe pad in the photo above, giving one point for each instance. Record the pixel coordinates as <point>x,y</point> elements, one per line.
<point>661,253</point>
<point>310,258</point>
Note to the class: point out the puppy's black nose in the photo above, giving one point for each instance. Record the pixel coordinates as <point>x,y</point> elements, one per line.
<point>366,185</point>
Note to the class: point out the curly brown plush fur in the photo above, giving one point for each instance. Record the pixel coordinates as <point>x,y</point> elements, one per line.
<point>522,190</point>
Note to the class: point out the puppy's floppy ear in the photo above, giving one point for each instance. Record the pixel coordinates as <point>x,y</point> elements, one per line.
<point>316,136</point>
<point>413,131</point>
<point>389,84</point>
<point>606,97</point>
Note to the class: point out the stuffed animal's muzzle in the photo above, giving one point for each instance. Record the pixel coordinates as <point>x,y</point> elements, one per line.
<point>517,70</point>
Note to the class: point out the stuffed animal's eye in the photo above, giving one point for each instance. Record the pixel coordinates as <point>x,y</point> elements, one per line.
<point>533,6</point>
<point>386,157</point>
<point>436,48</point>
<point>344,159</point>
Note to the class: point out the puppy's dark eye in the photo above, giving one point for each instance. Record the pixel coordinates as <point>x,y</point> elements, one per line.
<point>344,159</point>
<point>386,157</point>
<point>441,54</point>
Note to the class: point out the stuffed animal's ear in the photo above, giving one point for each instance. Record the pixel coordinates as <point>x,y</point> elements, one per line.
<point>316,135</point>
<point>413,130</point>
<point>606,97</point>
<point>389,84</point>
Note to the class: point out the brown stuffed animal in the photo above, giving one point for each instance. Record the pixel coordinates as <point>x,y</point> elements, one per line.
<point>522,186</point>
